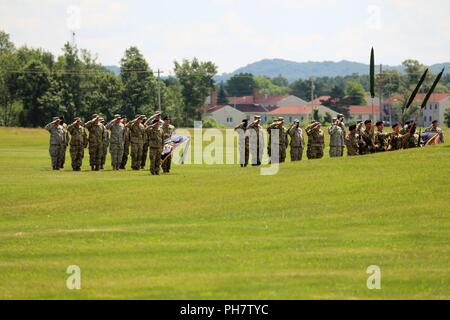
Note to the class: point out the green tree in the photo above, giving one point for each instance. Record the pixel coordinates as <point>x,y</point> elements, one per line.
<point>172,103</point>
<point>280,81</point>
<point>139,84</point>
<point>355,93</point>
<point>68,73</point>
<point>34,83</point>
<point>266,86</point>
<point>196,79</point>
<point>222,95</point>
<point>242,84</point>
<point>447,117</point>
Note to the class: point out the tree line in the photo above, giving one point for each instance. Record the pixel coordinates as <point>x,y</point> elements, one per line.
<point>35,86</point>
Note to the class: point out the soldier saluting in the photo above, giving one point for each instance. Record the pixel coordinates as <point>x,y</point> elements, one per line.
<point>137,135</point>
<point>316,141</point>
<point>168,131</point>
<point>78,142</point>
<point>156,143</point>
<point>256,141</point>
<point>96,139</point>
<point>297,141</point>
<point>117,141</point>
<point>244,143</point>
<point>57,142</point>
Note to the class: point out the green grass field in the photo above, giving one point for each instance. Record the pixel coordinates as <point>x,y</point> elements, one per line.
<point>222,232</point>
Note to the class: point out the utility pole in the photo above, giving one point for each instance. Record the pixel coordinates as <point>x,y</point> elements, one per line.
<point>381,82</point>
<point>159,72</point>
<point>312,98</point>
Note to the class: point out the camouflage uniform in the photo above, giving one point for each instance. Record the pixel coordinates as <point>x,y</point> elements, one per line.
<point>337,141</point>
<point>117,142</point>
<point>244,144</point>
<point>144,147</point>
<point>106,141</point>
<point>168,131</point>
<point>137,135</point>
<point>297,143</point>
<point>57,140</point>
<point>64,148</point>
<point>316,143</point>
<point>96,138</point>
<point>398,141</point>
<point>282,140</point>
<point>126,147</point>
<point>353,142</point>
<point>256,143</point>
<point>368,136</point>
<point>381,141</point>
<point>156,144</point>
<point>78,143</point>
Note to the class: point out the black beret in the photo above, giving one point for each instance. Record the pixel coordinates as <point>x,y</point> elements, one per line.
<point>379,123</point>
<point>435,121</point>
<point>166,118</point>
<point>367,121</point>
<point>395,125</point>
<point>245,120</point>
<point>352,127</point>
<point>155,121</point>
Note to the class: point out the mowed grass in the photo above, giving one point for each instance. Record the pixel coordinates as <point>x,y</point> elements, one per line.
<point>222,232</point>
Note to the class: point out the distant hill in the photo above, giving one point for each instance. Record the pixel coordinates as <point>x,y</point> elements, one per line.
<point>113,69</point>
<point>305,70</point>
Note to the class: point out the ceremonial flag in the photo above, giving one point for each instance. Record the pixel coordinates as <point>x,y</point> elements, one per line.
<point>170,145</point>
<point>438,78</point>
<point>372,74</point>
<point>431,138</point>
<point>416,90</point>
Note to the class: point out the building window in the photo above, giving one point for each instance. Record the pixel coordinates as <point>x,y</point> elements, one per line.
<point>431,119</point>
<point>424,119</point>
<point>435,107</point>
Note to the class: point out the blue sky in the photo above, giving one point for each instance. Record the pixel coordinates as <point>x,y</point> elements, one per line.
<point>235,33</point>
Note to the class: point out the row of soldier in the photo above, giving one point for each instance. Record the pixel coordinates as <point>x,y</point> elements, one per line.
<point>141,136</point>
<point>362,138</point>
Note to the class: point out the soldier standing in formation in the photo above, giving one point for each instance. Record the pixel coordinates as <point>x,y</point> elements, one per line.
<point>256,137</point>
<point>280,131</point>
<point>66,144</point>
<point>96,138</point>
<point>297,141</point>
<point>168,131</point>
<point>145,146</point>
<point>398,140</point>
<point>244,143</point>
<point>353,141</point>
<point>316,141</point>
<point>156,143</point>
<point>57,142</point>
<point>337,138</point>
<point>117,141</point>
<point>126,144</point>
<point>381,138</point>
<point>367,134</point>
<point>137,135</point>
<point>78,142</point>
<point>105,144</point>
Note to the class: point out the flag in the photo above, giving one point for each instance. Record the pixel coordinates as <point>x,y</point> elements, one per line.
<point>170,145</point>
<point>431,138</point>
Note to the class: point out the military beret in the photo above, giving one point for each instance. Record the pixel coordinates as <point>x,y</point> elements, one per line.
<point>379,123</point>
<point>340,115</point>
<point>435,122</point>
<point>367,121</point>
<point>352,127</point>
<point>245,120</point>
<point>280,119</point>
<point>56,118</point>
<point>61,118</point>
<point>166,118</point>
<point>395,125</point>
<point>296,121</point>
